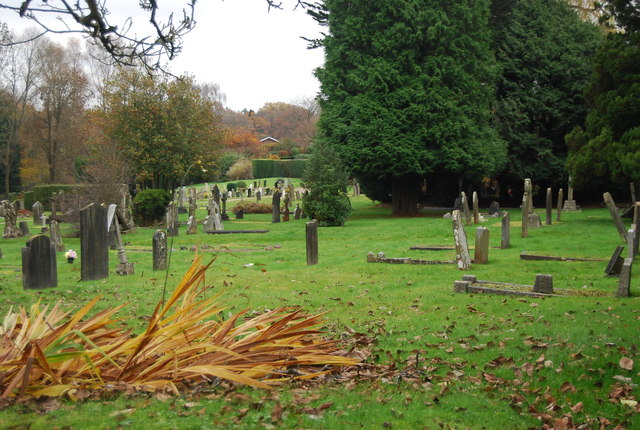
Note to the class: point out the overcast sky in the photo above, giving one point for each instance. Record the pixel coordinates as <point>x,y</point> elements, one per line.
<point>254,55</point>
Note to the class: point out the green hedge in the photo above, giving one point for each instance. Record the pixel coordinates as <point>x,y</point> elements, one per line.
<point>43,193</point>
<point>278,168</point>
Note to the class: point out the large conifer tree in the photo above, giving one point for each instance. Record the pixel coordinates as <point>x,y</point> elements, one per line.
<point>406,91</point>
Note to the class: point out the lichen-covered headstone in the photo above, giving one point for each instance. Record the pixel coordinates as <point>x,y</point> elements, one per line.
<point>11,230</point>
<point>463,259</point>
<point>505,241</point>
<point>159,250</point>
<point>543,284</point>
<point>39,268</point>
<point>481,254</point>
<point>559,209</point>
<point>465,206</point>
<point>624,282</point>
<point>297,211</point>
<point>56,238</point>
<point>172,220</point>
<point>37,212</point>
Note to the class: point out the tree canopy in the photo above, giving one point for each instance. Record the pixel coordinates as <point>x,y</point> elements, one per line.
<point>406,92</point>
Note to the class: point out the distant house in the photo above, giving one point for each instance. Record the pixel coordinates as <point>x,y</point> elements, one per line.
<point>269,139</point>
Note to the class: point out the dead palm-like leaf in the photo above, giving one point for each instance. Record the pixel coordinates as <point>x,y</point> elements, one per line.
<point>50,352</point>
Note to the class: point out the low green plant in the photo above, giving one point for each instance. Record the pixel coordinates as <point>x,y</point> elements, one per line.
<point>241,184</point>
<point>149,206</point>
<point>231,186</point>
<point>252,207</point>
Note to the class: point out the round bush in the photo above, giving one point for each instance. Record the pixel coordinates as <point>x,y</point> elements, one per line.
<point>149,206</point>
<point>241,184</point>
<point>231,186</point>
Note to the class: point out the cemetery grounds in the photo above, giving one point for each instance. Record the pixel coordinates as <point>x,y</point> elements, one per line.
<point>432,358</point>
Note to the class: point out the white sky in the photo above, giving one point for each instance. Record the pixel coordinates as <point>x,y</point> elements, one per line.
<point>255,56</point>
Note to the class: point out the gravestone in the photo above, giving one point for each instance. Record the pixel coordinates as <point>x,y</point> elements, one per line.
<point>124,267</point>
<point>465,206</point>
<point>240,214</point>
<point>543,284</point>
<point>173,226</point>
<point>615,262</point>
<point>525,216</point>
<point>481,253</point>
<point>505,240</point>
<point>37,212</point>
<point>193,202</point>
<point>111,232</point>
<point>528,191</point>
<point>463,258</point>
<point>159,250</point>
<point>631,235</point>
<point>248,193</point>
<point>494,209</point>
<point>216,194</point>
<point>624,282</point>
<point>312,242</point>
<point>182,197</point>
<point>457,204</point>
<point>534,220</point>
<point>258,195</point>
<point>224,216</point>
<point>20,205</point>
<point>570,203</point>
<point>39,268</point>
<point>559,209</point>
<point>297,211</point>
<point>192,225</point>
<point>275,204</point>
<point>549,203</point>
<point>56,238</point>
<point>476,208</point>
<point>286,214</point>
<point>613,210</point>
<point>24,228</point>
<point>94,250</point>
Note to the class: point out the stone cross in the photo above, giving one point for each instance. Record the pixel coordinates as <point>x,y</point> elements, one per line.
<point>613,210</point>
<point>559,209</point>
<point>94,249</point>
<point>276,206</point>
<point>159,250</point>
<point>38,211</point>
<point>476,208</point>
<point>56,238</point>
<point>505,241</point>
<point>570,203</point>
<point>481,254</point>
<point>465,206</point>
<point>463,258</point>
<point>39,268</point>
<point>549,203</point>
<point>172,220</point>
<point>312,242</point>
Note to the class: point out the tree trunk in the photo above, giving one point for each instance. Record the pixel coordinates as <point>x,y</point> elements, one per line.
<point>404,195</point>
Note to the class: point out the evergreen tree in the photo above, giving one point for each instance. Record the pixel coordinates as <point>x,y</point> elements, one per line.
<point>406,91</point>
<point>545,52</point>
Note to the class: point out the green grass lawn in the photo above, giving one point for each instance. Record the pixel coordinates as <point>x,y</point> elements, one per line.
<point>442,359</point>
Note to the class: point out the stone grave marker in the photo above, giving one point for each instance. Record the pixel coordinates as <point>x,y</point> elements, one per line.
<point>297,195</point>
<point>159,250</point>
<point>297,211</point>
<point>111,232</point>
<point>525,216</point>
<point>631,235</point>
<point>193,202</point>
<point>481,252</point>
<point>224,216</point>
<point>24,228</point>
<point>543,284</point>
<point>173,226</point>
<point>465,206</point>
<point>613,210</point>
<point>286,214</point>
<point>570,203</point>
<point>476,208</point>
<point>39,267</point>
<point>258,195</point>
<point>276,207</point>
<point>216,194</point>
<point>505,241</point>
<point>463,259</point>
<point>534,220</point>
<point>192,225</point>
<point>632,188</point>
<point>528,191</point>
<point>494,209</point>
<point>457,204</point>
<point>56,238</point>
<point>240,214</point>
<point>94,249</point>
<point>312,242</point>
<point>624,282</point>
<point>615,262</point>
<point>559,209</point>
<point>249,193</point>
<point>549,203</point>
<point>37,212</point>
<point>124,267</point>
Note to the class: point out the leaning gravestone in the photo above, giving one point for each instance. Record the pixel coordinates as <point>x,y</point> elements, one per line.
<point>56,238</point>
<point>615,263</point>
<point>159,250</point>
<point>613,210</point>
<point>481,253</point>
<point>505,241</point>
<point>39,269</point>
<point>94,249</point>
<point>37,212</point>
<point>124,267</point>
<point>463,258</point>
<point>11,231</point>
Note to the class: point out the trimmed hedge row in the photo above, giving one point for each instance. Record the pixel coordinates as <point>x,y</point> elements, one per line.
<point>278,168</point>
<point>43,194</point>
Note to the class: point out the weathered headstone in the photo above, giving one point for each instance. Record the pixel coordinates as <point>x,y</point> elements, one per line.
<point>457,204</point>
<point>528,191</point>
<point>631,236</point>
<point>286,214</point>
<point>525,216</point>
<point>173,225</point>
<point>94,257</point>
<point>613,210</point>
<point>463,258</point>
<point>192,225</point>
<point>258,195</point>
<point>56,238</point>
<point>111,231</point>
<point>534,220</point>
<point>543,284</point>
<point>124,267</point>
<point>240,214</point>
<point>249,193</point>
<point>312,242</point>
<point>505,241</point>
<point>465,206</point>
<point>624,282</point>
<point>494,209</point>
<point>216,194</point>
<point>193,201</point>
<point>217,217</point>
<point>615,262</point>
<point>570,203</point>
<point>39,267</point>
<point>24,228</point>
<point>37,212</point>
<point>297,211</point>
<point>481,253</point>
<point>559,209</point>
<point>549,203</point>
<point>476,208</point>
<point>159,250</point>
<point>276,207</point>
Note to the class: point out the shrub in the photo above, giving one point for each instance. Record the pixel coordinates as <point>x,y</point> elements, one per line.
<point>149,206</point>
<point>327,200</point>
<point>44,194</point>
<point>253,207</point>
<point>231,186</point>
<point>241,169</point>
<point>272,168</point>
<point>227,160</point>
<point>242,184</point>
